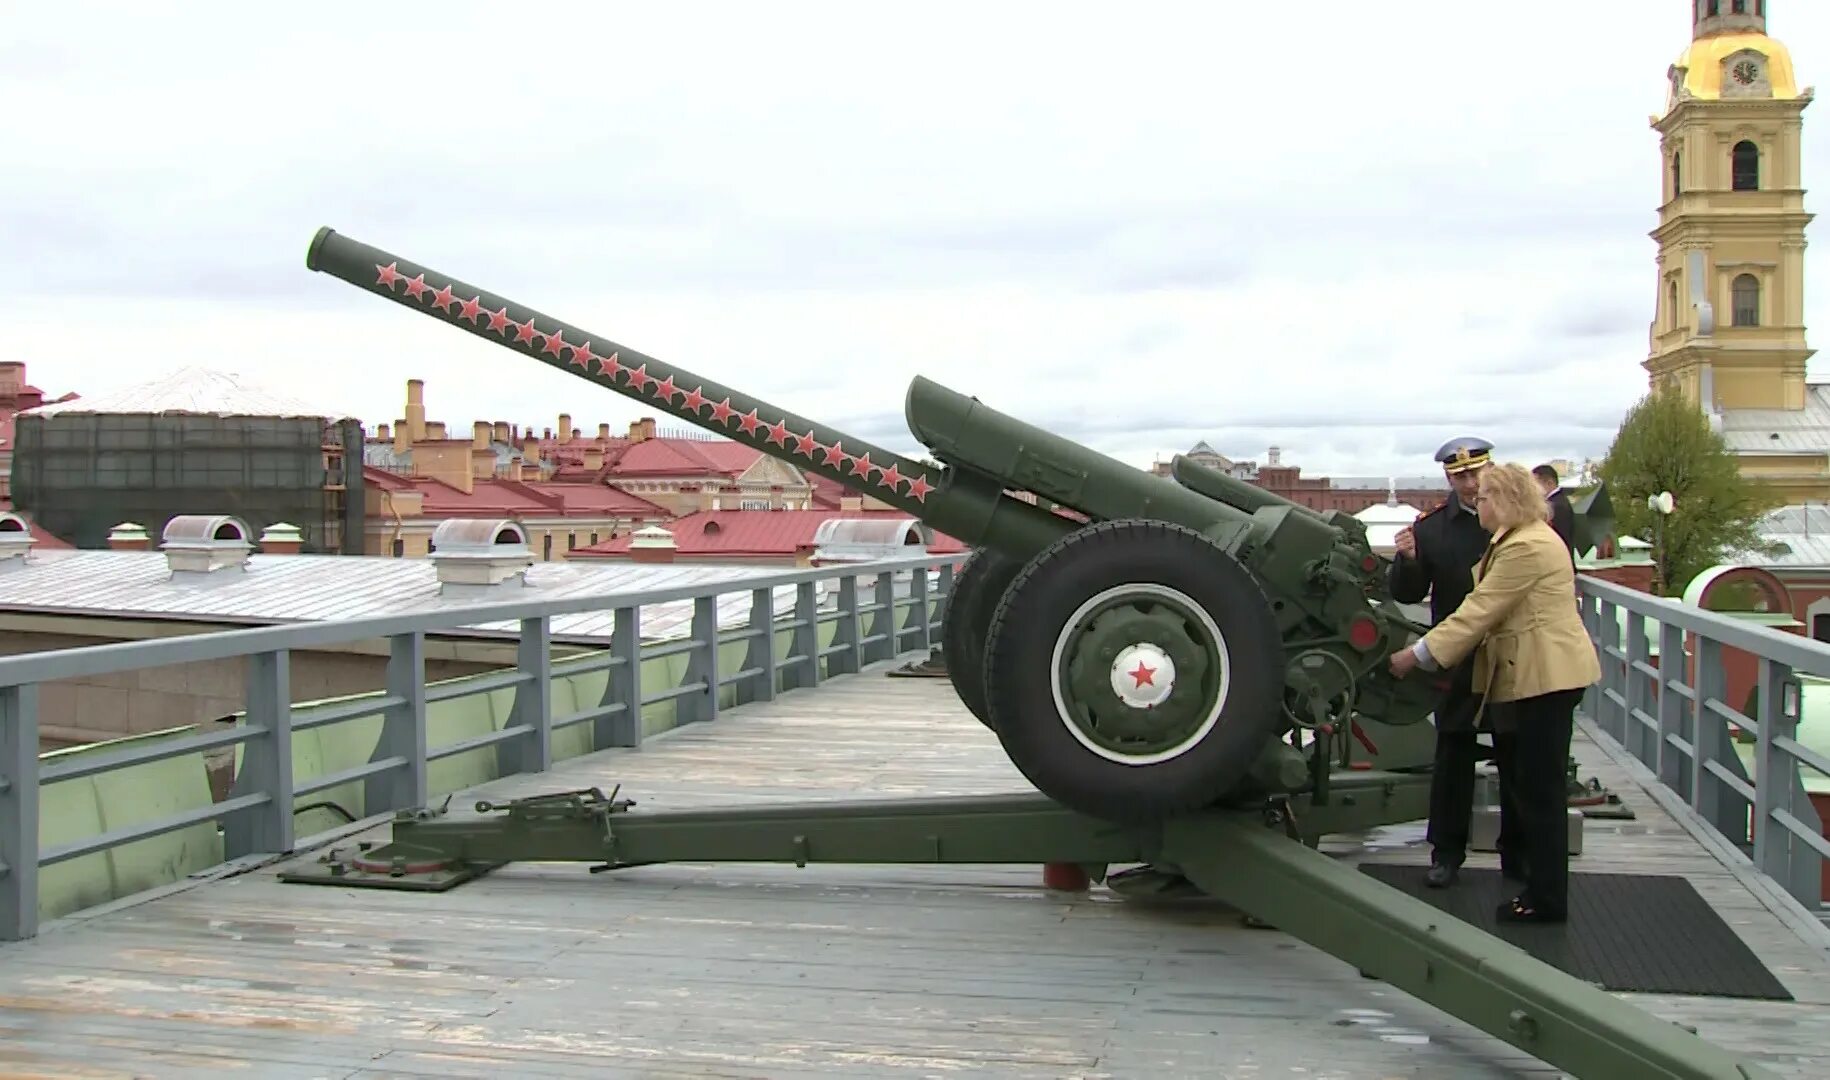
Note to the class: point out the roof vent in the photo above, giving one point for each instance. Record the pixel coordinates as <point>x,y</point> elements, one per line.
<point>282,538</point>
<point>857,540</point>
<point>129,536</point>
<point>15,538</point>
<point>480,552</point>
<point>652,544</point>
<point>201,543</point>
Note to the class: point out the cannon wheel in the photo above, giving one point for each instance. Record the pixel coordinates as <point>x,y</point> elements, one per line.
<point>1134,671</point>
<point>977,587</point>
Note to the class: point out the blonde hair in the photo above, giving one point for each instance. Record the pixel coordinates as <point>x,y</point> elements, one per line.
<point>1512,496</point>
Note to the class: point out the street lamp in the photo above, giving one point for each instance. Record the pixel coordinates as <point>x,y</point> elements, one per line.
<point>1661,505</point>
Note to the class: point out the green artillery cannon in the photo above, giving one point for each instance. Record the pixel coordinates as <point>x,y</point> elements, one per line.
<point>1167,645</point>
<point>1155,655</point>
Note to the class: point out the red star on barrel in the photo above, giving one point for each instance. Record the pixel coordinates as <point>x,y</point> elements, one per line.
<point>639,377</point>
<point>387,275</point>
<point>749,423</point>
<point>665,389</point>
<point>1143,676</point>
<point>524,331</point>
<point>581,355</point>
<point>555,341</point>
<point>806,444</point>
<point>416,286</point>
<point>694,401</point>
<point>499,321</point>
<point>443,299</point>
<point>778,433</point>
<point>722,411</point>
<point>919,488</point>
<point>890,478</point>
<point>609,365</point>
<point>471,308</point>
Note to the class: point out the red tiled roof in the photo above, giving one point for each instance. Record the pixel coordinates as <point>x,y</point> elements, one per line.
<point>665,456</point>
<point>510,498</point>
<point>753,533</point>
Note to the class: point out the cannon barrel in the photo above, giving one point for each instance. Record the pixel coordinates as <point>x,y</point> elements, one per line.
<point>965,433</point>
<point>974,509</point>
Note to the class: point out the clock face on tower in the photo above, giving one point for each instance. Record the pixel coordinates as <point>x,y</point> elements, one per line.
<point>1745,72</point>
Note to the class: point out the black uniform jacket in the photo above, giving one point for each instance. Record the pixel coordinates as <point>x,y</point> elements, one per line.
<point>1450,542</point>
<point>1563,519</point>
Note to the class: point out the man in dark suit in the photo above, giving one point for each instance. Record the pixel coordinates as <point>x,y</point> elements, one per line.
<point>1436,556</point>
<point>1562,514</point>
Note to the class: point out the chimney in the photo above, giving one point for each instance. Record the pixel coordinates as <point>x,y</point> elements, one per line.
<point>594,458</point>
<point>476,551</point>
<point>129,536</point>
<point>530,451</point>
<point>436,430</point>
<point>15,539</point>
<point>565,428</point>
<point>382,434</point>
<point>501,432</point>
<point>403,437</point>
<point>416,410</point>
<point>652,545</point>
<point>479,436</point>
<point>202,543</point>
<point>647,427</point>
<point>851,502</point>
<point>603,433</point>
<point>281,538</point>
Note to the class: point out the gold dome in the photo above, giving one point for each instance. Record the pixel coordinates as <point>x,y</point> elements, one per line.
<point>1702,64</point>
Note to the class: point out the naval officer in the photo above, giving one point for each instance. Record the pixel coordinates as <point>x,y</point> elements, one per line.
<point>1436,556</point>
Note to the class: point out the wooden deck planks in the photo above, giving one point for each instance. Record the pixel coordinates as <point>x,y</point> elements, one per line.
<point>682,970</point>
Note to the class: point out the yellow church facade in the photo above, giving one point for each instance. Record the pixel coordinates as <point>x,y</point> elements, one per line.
<point>1729,323</point>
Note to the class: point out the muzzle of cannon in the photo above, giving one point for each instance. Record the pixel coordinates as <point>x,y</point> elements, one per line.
<point>1140,645</point>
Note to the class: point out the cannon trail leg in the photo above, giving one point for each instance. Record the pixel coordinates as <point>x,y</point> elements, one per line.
<point>1436,958</point>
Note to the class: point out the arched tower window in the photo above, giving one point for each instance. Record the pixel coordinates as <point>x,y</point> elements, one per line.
<point>1677,174</point>
<point>1674,317</point>
<point>1746,166</point>
<point>1746,289</point>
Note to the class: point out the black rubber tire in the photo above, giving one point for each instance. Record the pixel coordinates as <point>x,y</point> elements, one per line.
<point>1020,679</point>
<point>978,585</point>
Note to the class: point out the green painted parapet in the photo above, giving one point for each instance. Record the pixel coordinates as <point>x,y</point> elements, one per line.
<point>79,810</point>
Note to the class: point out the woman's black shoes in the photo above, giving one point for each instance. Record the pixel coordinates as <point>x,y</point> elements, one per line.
<point>1521,909</point>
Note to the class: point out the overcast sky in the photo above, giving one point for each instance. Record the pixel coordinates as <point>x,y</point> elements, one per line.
<point>1318,224</point>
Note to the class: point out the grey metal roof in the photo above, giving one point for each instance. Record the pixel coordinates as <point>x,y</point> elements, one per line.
<point>1803,529</point>
<point>1781,430</point>
<point>277,589</point>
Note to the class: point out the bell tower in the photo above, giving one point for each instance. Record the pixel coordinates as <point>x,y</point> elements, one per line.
<point>1729,313</point>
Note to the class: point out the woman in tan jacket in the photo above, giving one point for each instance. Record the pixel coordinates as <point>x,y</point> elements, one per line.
<point>1532,660</point>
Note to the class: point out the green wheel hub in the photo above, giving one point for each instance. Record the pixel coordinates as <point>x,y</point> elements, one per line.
<point>1140,673</point>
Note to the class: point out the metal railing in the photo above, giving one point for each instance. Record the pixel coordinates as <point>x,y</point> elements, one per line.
<point>257,815</point>
<point>1670,713</point>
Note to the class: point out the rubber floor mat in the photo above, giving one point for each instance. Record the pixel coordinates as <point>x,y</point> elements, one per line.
<point>1630,932</point>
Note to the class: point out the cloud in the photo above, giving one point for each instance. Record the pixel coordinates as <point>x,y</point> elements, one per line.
<point>1141,231</point>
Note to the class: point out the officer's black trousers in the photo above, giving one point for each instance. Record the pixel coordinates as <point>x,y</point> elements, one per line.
<point>1535,779</point>
<point>1452,796</point>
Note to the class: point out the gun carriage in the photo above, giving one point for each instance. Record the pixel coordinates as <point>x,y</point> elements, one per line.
<point>1189,669</point>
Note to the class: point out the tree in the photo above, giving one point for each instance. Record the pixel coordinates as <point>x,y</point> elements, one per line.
<point>1665,443</point>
